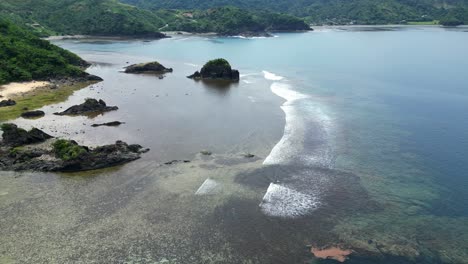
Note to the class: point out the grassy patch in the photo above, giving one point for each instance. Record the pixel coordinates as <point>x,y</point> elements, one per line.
<point>37,99</point>
<point>68,150</point>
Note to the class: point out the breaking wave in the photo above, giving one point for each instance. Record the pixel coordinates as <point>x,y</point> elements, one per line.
<point>306,143</point>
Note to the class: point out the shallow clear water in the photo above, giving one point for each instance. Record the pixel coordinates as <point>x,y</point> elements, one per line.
<point>372,156</point>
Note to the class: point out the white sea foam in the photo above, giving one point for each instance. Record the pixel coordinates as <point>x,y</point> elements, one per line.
<point>248,74</point>
<point>303,117</point>
<point>209,186</point>
<point>284,90</point>
<point>271,76</point>
<point>282,201</point>
<point>252,99</point>
<point>244,37</point>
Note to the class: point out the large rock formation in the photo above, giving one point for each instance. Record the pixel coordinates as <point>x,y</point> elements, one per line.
<point>15,136</point>
<point>19,151</point>
<point>218,69</point>
<point>149,67</point>
<point>88,107</point>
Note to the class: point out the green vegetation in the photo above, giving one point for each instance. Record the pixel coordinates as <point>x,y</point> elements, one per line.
<point>333,11</point>
<point>90,17</point>
<point>37,99</point>
<point>450,22</point>
<point>24,57</point>
<point>229,21</point>
<point>217,63</point>
<point>7,127</point>
<point>68,150</point>
<point>110,17</point>
<point>423,23</point>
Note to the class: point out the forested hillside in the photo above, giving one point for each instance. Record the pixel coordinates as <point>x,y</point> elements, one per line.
<point>230,21</point>
<point>335,11</point>
<point>90,17</point>
<point>24,57</point>
<point>110,17</point>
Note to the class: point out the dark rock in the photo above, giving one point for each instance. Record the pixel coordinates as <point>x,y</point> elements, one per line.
<point>251,34</point>
<point>15,136</point>
<point>91,77</point>
<point>8,102</point>
<point>218,69</point>
<point>89,106</point>
<point>68,156</point>
<point>206,152</point>
<point>150,67</point>
<point>113,123</point>
<point>33,114</point>
<point>176,161</point>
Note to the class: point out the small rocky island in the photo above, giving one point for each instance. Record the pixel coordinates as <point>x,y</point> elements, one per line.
<point>35,150</point>
<point>90,106</point>
<point>149,67</point>
<point>217,70</point>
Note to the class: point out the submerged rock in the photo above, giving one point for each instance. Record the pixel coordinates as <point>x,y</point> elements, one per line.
<point>33,114</point>
<point>15,136</point>
<point>206,152</point>
<point>149,67</point>
<point>18,152</point>
<point>89,106</point>
<point>113,123</point>
<point>8,102</point>
<point>218,69</point>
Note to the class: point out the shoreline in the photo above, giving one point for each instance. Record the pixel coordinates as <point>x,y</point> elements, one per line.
<point>171,34</point>
<point>30,97</point>
<point>16,89</point>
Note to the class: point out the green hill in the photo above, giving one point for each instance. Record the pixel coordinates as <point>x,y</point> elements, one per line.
<point>88,17</point>
<point>230,21</point>
<point>110,17</point>
<point>24,57</point>
<point>334,11</point>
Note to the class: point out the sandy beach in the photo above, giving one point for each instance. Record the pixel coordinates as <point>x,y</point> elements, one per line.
<point>8,91</point>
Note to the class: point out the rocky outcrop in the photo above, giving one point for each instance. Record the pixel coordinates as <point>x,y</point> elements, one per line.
<point>58,154</point>
<point>149,67</point>
<point>8,102</point>
<point>15,136</point>
<point>218,69</point>
<point>88,107</point>
<point>91,77</point>
<point>113,123</point>
<point>33,114</point>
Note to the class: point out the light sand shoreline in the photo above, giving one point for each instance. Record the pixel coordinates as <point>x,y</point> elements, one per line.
<point>8,91</point>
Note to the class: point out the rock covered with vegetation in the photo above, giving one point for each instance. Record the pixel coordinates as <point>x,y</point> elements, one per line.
<point>90,106</point>
<point>149,67</point>
<point>35,150</point>
<point>218,69</point>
